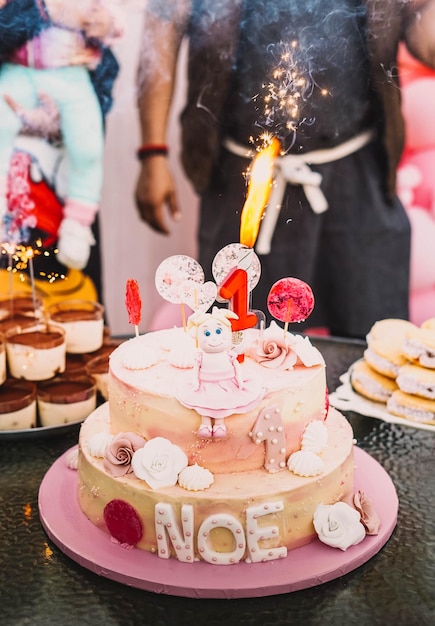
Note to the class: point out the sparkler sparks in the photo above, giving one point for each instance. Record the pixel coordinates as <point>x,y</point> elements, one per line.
<point>289,87</point>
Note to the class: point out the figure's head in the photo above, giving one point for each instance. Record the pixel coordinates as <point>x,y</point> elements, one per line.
<point>214,336</point>
<point>213,330</point>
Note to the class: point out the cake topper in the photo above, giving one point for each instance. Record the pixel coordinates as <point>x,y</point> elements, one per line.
<point>217,389</point>
<point>133,303</point>
<point>290,300</point>
<point>173,276</point>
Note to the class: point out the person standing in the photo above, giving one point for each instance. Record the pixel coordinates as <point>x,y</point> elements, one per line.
<point>320,76</point>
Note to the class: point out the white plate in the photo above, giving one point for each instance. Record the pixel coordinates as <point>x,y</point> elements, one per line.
<point>344,398</point>
<point>39,431</point>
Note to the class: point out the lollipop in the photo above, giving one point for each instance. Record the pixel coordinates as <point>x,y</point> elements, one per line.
<point>171,277</point>
<point>133,303</point>
<point>236,255</point>
<point>172,272</point>
<point>290,300</point>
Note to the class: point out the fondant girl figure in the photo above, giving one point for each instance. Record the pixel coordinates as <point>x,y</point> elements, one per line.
<point>56,63</point>
<point>217,389</point>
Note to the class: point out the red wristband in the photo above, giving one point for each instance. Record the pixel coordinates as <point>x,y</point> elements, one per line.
<point>151,149</point>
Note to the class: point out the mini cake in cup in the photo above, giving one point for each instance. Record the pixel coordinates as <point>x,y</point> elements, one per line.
<point>83,323</point>
<point>98,368</point>
<point>2,359</point>
<point>21,304</point>
<point>17,405</point>
<point>36,352</point>
<point>10,320</point>
<point>65,400</point>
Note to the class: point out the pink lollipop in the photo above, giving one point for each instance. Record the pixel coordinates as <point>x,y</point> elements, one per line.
<point>290,300</point>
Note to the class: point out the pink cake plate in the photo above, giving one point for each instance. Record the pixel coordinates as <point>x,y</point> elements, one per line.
<point>308,566</point>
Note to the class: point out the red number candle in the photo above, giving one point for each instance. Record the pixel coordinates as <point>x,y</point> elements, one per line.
<point>235,289</point>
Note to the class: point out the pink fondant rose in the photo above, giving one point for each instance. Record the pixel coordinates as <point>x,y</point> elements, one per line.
<point>338,525</point>
<point>272,350</point>
<point>159,462</point>
<point>119,453</point>
<point>369,518</point>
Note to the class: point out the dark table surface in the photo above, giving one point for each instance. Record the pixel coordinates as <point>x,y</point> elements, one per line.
<point>39,585</point>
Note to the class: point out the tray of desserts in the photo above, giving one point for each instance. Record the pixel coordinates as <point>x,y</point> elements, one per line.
<point>345,398</point>
<point>395,378</point>
<point>53,366</point>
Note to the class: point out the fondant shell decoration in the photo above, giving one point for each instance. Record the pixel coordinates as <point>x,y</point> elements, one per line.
<point>72,459</point>
<point>305,463</point>
<point>98,444</point>
<point>142,361</point>
<point>195,478</point>
<point>315,437</point>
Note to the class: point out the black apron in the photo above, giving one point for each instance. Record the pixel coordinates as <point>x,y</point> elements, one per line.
<point>355,256</point>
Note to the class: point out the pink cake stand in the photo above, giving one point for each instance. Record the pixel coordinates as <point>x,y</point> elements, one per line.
<point>305,567</point>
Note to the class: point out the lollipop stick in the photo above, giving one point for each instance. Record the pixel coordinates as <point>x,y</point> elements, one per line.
<point>287,316</point>
<point>183,316</point>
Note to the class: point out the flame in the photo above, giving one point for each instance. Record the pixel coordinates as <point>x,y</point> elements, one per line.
<point>260,184</point>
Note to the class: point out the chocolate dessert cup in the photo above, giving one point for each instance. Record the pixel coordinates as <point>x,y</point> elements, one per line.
<point>17,405</point>
<point>64,400</point>
<point>83,323</point>
<point>36,352</point>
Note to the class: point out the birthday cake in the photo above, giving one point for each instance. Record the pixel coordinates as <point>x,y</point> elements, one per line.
<point>211,451</point>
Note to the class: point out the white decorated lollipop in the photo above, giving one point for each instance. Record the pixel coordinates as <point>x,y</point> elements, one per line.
<point>199,297</point>
<point>236,255</point>
<point>173,272</point>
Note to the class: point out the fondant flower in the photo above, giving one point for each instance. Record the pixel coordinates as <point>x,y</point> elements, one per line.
<point>338,525</point>
<point>119,453</point>
<point>369,518</point>
<point>159,462</point>
<point>272,350</point>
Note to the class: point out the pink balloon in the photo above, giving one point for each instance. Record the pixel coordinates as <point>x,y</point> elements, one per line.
<point>290,300</point>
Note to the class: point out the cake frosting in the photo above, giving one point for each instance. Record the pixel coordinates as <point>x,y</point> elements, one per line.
<point>154,479</point>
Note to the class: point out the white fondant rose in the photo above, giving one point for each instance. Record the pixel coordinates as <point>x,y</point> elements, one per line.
<point>159,462</point>
<point>338,525</point>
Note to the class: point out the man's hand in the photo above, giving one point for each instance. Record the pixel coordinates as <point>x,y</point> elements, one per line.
<point>156,195</point>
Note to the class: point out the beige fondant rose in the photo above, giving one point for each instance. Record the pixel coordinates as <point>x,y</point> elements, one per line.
<point>119,453</point>
<point>272,350</point>
<point>369,518</point>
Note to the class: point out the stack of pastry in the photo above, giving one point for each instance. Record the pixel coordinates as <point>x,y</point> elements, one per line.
<point>398,369</point>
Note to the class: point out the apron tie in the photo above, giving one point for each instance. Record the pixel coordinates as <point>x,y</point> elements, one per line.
<point>295,169</point>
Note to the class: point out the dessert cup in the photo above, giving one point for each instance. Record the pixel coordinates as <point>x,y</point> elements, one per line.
<point>2,359</point>
<point>21,304</point>
<point>83,323</point>
<point>64,400</point>
<point>17,405</point>
<point>98,369</point>
<point>35,352</point>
